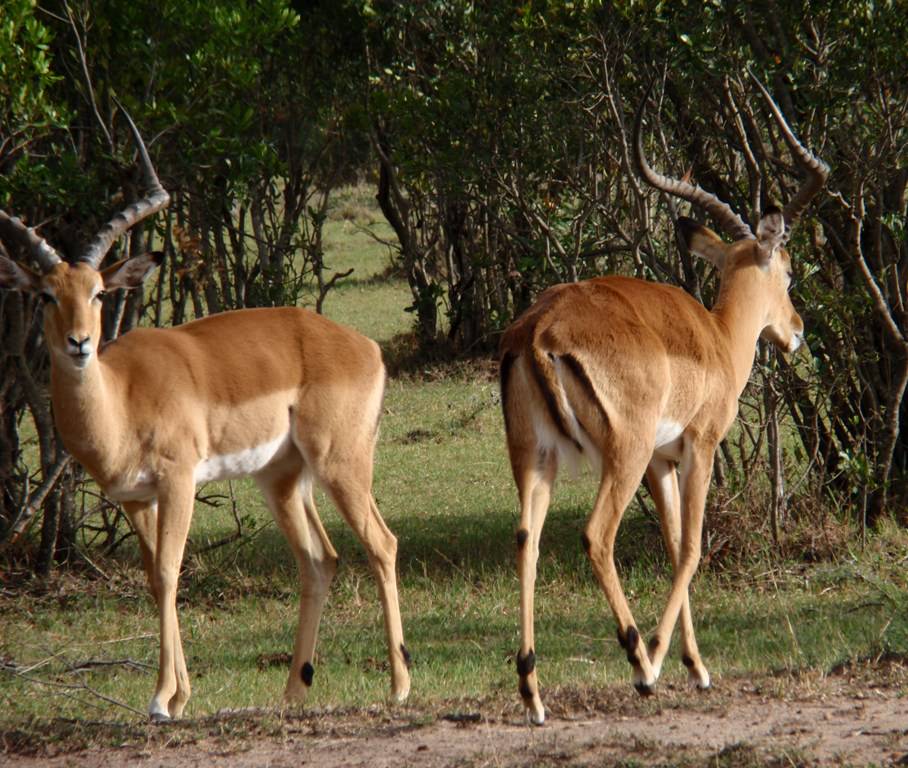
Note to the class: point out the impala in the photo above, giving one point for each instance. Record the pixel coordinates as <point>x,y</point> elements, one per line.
<point>639,379</point>
<point>282,395</point>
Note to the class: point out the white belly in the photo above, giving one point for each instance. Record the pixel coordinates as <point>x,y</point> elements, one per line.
<point>669,440</point>
<point>139,487</point>
<point>242,463</point>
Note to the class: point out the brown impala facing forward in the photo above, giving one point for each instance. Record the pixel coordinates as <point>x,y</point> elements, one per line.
<point>640,379</point>
<point>283,395</point>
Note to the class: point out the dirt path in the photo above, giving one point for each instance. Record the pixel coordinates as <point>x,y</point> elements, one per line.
<point>838,721</point>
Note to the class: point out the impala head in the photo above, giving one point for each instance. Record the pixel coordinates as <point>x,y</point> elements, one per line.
<point>72,293</point>
<point>767,265</point>
<point>762,253</point>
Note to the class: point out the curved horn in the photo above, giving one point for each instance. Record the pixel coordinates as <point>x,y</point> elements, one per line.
<point>13,228</point>
<point>817,170</point>
<point>156,199</point>
<point>733,224</point>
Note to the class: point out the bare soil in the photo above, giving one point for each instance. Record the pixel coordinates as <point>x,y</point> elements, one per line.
<point>853,716</point>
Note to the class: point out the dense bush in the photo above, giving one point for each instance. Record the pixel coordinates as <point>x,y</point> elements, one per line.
<point>498,137</point>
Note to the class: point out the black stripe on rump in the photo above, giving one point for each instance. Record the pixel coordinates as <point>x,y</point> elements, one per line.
<point>583,377</point>
<point>551,401</point>
<point>504,379</point>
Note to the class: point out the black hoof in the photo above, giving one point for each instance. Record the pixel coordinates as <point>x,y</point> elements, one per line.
<point>643,689</point>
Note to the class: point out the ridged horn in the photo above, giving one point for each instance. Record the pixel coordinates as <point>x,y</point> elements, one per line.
<point>817,171</point>
<point>727,219</point>
<point>14,229</point>
<point>155,199</point>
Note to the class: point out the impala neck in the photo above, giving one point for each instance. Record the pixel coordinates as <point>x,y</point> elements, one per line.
<point>86,413</point>
<point>741,312</point>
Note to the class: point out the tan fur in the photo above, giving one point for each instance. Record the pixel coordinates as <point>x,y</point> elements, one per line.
<point>153,407</point>
<point>618,361</point>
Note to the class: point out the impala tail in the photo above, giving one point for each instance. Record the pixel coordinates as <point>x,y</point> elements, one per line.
<point>567,413</point>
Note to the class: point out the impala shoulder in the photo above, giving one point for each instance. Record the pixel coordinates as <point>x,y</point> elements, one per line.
<point>137,343</point>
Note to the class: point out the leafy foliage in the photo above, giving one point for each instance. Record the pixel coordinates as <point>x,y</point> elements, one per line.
<point>500,135</point>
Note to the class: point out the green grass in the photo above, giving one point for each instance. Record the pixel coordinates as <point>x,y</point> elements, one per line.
<point>443,483</point>
<point>370,299</point>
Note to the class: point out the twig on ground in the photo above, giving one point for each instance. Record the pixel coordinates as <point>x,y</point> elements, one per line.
<point>87,664</point>
<point>143,636</point>
<point>14,668</point>
<point>66,689</point>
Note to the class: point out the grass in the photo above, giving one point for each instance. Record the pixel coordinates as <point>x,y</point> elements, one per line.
<point>443,484</point>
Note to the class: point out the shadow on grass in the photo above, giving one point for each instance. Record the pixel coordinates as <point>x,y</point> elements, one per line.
<point>471,547</point>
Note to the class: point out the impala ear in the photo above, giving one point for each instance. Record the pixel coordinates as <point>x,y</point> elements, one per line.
<point>131,273</point>
<point>770,234</point>
<point>17,278</point>
<point>702,241</point>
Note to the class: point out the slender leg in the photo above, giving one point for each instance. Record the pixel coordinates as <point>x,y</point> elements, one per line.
<point>143,516</point>
<point>534,486</point>
<point>144,519</point>
<point>341,460</point>
<point>615,492</point>
<point>358,508</point>
<point>175,502</point>
<point>663,483</point>
<point>696,468</point>
<point>294,511</point>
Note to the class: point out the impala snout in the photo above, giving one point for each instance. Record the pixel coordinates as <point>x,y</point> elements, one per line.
<point>79,348</point>
<point>796,336</point>
<point>788,337</point>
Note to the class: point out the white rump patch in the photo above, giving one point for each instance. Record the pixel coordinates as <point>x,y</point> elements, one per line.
<point>550,438</point>
<point>242,463</point>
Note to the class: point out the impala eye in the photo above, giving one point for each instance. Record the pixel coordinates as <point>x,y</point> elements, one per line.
<point>99,296</point>
<point>47,298</point>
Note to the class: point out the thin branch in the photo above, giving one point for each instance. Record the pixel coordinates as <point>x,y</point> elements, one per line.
<point>91,90</point>
<point>30,509</point>
<point>857,220</point>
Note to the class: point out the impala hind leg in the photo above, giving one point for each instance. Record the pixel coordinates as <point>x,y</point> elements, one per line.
<point>663,483</point>
<point>293,507</point>
<point>534,487</point>
<point>616,490</point>
<point>354,500</point>
<point>175,502</point>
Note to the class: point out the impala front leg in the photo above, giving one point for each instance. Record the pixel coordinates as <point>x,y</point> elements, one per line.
<point>175,500</point>
<point>696,469</point>
<point>143,516</point>
<point>663,484</point>
<point>615,493</point>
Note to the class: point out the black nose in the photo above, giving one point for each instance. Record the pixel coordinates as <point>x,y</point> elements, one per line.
<point>78,345</point>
